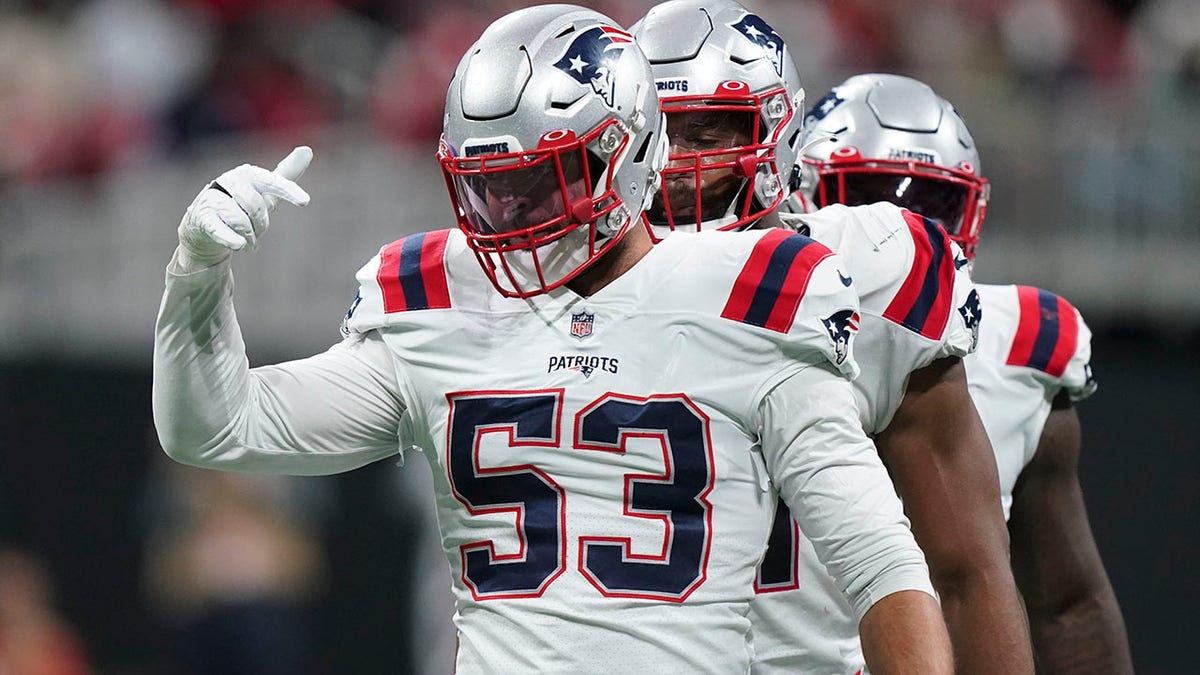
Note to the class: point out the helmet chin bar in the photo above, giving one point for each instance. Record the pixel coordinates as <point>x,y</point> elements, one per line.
<point>525,271</point>
<point>759,193</point>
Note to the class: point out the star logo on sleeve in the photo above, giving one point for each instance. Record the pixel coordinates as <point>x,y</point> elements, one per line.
<point>345,327</point>
<point>971,313</point>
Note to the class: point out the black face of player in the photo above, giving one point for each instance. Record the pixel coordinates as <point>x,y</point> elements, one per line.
<point>939,200</point>
<point>699,176</point>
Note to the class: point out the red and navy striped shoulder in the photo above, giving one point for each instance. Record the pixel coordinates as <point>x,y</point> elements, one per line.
<point>768,290</point>
<point>1047,334</point>
<point>412,274</point>
<point>924,300</point>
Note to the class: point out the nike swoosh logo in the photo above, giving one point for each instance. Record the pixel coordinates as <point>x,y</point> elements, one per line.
<point>960,263</point>
<point>846,281</point>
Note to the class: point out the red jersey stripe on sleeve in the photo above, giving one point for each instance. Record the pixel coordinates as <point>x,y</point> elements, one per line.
<point>1047,332</point>
<point>1068,339</point>
<point>1027,327</point>
<point>433,269</point>
<point>412,273</point>
<point>775,277</point>
<point>388,278</point>
<point>924,300</point>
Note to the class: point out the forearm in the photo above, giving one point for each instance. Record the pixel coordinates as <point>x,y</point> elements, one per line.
<point>966,545</point>
<point>950,489</point>
<point>986,624</point>
<point>1086,638</point>
<point>328,413</point>
<point>830,475</point>
<point>201,374</point>
<point>903,633</point>
<point>1074,618</point>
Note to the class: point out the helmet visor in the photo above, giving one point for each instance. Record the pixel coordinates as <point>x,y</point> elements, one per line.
<point>524,192</point>
<point>713,156</point>
<point>938,199</point>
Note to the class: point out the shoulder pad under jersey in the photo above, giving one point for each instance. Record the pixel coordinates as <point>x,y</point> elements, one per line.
<point>924,299</point>
<point>407,275</point>
<point>906,270</point>
<point>793,285</point>
<point>1050,336</point>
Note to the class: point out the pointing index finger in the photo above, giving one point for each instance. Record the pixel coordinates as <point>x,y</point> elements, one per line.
<point>293,166</point>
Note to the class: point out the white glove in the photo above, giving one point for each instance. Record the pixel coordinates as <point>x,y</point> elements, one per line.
<point>233,211</point>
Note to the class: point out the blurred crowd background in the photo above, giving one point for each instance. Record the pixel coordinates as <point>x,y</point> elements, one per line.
<point>113,113</point>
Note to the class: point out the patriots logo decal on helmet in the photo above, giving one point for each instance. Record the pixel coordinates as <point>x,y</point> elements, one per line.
<point>841,327</point>
<point>823,107</point>
<point>591,59</point>
<point>760,33</point>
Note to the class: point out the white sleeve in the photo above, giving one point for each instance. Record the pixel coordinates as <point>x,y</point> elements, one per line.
<point>830,475</point>
<point>328,413</point>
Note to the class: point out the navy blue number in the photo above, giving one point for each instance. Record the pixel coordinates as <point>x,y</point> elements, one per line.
<point>676,497</point>
<point>536,500</point>
<point>778,569</point>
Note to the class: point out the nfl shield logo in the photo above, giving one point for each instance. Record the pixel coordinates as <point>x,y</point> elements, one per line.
<point>581,324</point>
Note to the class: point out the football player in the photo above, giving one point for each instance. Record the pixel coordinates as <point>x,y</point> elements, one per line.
<point>602,416</point>
<point>732,99</point>
<point>898,141</point>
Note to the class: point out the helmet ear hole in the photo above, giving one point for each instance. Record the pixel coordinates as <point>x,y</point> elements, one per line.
<point>640,156</point>
<point>793,141</point>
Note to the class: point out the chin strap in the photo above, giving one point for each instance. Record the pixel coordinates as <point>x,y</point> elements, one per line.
<point>792,221</point>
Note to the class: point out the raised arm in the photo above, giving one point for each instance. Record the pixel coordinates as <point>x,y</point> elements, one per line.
<point>941,462</point>
<point>328,413</point>
<point>831,477</point>
<point>1074,618</point>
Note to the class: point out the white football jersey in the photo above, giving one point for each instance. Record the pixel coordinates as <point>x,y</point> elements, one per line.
<point>916,306</point>
<point>605,467</point>
<point>1033,345</point>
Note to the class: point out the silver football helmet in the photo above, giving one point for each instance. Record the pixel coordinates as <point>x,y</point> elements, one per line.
<point>891,138</point>
<point>551,145</point>
<point>732,97</point>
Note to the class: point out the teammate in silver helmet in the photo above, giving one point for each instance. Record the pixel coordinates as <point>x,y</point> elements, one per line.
<point>916,326</point>
<point>898,141</point>
<point>601,506</point>
<point>909,147</point>
<point>733,103</point>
